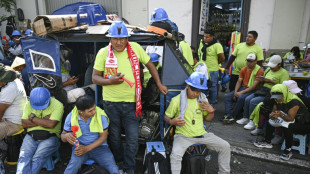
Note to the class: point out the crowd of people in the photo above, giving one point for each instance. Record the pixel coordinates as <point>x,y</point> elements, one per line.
<point>257,96</point>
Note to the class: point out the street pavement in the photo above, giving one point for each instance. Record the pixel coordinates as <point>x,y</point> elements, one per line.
<point>246,158</point>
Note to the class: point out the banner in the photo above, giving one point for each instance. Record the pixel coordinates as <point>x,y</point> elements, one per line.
<point>42,57</point>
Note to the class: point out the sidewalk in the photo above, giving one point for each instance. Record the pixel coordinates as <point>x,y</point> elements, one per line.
<point>241,140</point>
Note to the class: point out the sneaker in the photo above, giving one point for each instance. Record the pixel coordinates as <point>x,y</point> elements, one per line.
<point>263,144</point>
<point>228,119</point>
<point>287,154</point>
<point>257,131</point>
<point>276,140</point>
<point>250,125</point>
<point>243,121</point>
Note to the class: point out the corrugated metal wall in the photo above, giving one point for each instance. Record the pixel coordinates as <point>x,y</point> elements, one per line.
<point>111,6</point>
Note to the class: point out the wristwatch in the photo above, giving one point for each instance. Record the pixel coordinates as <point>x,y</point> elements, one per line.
<point>32,117</point>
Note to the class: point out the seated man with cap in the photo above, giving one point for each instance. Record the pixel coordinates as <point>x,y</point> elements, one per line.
<point>42,117</point>
<point>291,115</point>
<point>12,102</point>
<point>245,86</point>
<point>187,111</point>
<point>19,65</point>
<point>92,133</point>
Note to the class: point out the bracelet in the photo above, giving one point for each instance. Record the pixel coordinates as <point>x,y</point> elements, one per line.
<point>212,112</point>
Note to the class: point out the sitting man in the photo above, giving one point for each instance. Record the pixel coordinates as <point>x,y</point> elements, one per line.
<point>42,117</point>
<point>188,116</point>
<point>91,135</point>
<point>246,85</point>
<point>12,102</point>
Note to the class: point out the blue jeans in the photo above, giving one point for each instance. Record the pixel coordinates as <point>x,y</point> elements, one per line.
<point>123,114</point>
<point>34,154</point>
<point>101,155</point>
<point>234,111</point>
<point>250,103</point>
<point>214,81</point>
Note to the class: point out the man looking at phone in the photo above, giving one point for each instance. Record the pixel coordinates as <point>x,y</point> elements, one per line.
<point>246,84</point>
<point>121,102</point>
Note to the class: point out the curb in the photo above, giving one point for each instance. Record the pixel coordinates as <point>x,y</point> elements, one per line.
<point>269,157</point>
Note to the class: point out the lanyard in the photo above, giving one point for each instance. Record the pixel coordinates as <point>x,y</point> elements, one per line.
<point>193,121</point>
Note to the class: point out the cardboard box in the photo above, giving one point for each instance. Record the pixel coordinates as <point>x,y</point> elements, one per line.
<point>44,24</point>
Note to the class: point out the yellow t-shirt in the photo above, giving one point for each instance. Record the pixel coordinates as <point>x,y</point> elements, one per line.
<point>189,129</point>
<point>120,92</point>
<point>187,52</point>
<point>242,51</point>
<point>212,56</point>
<point>279,76</point>
<point>288,53</point>
<point>55,109</point>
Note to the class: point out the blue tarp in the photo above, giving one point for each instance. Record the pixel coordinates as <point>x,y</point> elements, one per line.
<point>70,8</point>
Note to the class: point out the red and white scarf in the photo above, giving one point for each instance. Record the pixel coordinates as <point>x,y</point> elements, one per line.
<point>111,69</point>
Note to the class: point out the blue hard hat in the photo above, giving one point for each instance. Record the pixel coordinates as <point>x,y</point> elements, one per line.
<point>39,98</point>
<point>28,32</point>
<point>197,80</point>
<point>154,57</point>
<point>225,79</point>
<point>11,43</point>
<point>118,30</point>
<point>159,14</point>
<point>16,33</point>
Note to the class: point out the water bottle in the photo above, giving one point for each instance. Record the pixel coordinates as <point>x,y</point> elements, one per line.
<point>76,144</point>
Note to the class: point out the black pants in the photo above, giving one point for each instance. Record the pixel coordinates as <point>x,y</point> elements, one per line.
<point>295,128</point>
<point>233,81</point>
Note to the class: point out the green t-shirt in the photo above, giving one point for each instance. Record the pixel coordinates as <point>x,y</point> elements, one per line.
<point>288,53</point>
<point>279,76</point>
<point>189,129</point>
<point>242,51</point>
<point>212,56</point>
<point>55,109</point>
<point>187,52</point>
<point>120,92</point>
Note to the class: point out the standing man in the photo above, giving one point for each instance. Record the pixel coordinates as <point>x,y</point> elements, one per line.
<point>239,55</point>
<point>12,103</point>
<point>42,117</point>
<point>121,102</point>
<point>211,52</point>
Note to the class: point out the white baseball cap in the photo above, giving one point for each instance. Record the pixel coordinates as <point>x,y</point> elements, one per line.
<point>308,46</point>
<point>292,86</point>
<point>274,61</point>
<point>251,56</point>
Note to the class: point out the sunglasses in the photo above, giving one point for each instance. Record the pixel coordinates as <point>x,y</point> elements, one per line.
<point>195,89</point>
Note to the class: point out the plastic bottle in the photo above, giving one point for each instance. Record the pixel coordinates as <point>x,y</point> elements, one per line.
<point>76,144</point>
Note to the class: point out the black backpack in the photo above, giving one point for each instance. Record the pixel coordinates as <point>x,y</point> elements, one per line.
<point>10,26</point>
<point>193,161</point>
<point>20,14</point>
<point>150,160</point>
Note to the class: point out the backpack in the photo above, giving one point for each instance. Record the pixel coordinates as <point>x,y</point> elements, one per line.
<point>10,26</point>
<point>20,14</point>
<point>151,159</point>
<point>193,161</point>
